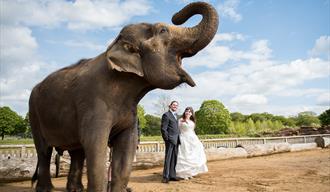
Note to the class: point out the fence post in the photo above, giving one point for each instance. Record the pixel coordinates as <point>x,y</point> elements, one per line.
<point>158,147</point>
<point>264,140</point>
<point>23,151</point>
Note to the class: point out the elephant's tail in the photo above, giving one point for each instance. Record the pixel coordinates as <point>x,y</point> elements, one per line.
<point>57,164</point>
<point>57,160</point>
<point>35,175</point>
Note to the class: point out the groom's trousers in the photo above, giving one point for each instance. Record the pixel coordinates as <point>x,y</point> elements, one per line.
<point>171,155</point>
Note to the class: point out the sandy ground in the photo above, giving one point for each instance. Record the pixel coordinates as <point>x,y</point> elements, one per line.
<point>298,171</point>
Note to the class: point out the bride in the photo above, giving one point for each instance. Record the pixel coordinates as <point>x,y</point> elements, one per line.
<point>191,156</point>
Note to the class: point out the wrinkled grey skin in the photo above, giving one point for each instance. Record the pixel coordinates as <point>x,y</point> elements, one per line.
<point>80,107</point>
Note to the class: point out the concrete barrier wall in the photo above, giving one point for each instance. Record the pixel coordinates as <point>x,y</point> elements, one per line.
<point>23,168</point>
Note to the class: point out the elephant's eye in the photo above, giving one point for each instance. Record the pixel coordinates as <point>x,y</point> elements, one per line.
<point>163,30</point>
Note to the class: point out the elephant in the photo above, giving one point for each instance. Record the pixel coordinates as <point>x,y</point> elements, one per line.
<point>81,107</point>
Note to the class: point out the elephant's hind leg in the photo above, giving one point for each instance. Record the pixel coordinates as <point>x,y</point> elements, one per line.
<point>75,174</point>
<point>44,183</point>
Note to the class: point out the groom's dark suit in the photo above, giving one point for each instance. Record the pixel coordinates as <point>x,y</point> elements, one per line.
<point>170,134</point>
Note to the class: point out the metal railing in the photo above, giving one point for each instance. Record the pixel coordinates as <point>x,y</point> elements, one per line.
<point>28,151</point>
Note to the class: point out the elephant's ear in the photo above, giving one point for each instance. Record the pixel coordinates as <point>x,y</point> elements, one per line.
<point>124,56</point>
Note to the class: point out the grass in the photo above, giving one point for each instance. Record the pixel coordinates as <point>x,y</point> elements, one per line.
<point>9,140</point>
<point>16,141</point>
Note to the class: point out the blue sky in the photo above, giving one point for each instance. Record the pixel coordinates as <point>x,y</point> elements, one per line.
<point>267,56</point>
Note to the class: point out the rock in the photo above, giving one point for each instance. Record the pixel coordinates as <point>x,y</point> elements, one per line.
<point>266,149</point>
<point>214,154</point>
<point>303,146</point>
<point>148,160</point>
<point>322,142</point>
<point>17,169</point>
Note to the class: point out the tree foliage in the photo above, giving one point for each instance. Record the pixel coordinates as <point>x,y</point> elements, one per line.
<point>212,118</point>
<point>237,116</point>
<point>325,118</point>
<point>152,125</point>
<point>28,131</point>
<point>10,122</point>
<point>307,118</point>
<point>261,116</point>
<point>140,114</point>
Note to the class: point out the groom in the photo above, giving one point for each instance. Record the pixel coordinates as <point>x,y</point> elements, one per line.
<point>170,134</point>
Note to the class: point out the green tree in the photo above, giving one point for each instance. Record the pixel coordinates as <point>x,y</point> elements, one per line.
<point>152,125</point>
<point>10,121</point>
<point>288,122</point>
<point>291,122</point>
<point>231,128</point>
<point>277,125</point>
<point>142,119</point>
<point>325,118</point>
<point>239,128</point>
<point>28,131</point>
<point>270,125</point>
<point>260,116</point>
<point>237,116</point>
<point>258,126</point>
<point>250,127</point>
<point>20,127</point>
<point>212,118</point>
<point>307,118</point>
<point>264,126</point>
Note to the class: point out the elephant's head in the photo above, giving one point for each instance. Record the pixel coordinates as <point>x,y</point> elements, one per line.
<point>154,51</point>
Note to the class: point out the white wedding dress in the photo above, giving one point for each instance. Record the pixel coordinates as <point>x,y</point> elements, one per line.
<point>191,156</point>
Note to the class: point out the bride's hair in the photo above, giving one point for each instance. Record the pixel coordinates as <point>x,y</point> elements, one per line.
<point>192,117</point>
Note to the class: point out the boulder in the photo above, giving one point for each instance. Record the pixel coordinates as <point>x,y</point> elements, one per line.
<point>213,154</point>
<point>303,146</point>
<point>13,169</point>
<point>322,142</point>
<point>265,149</point>
<point>147,160</point>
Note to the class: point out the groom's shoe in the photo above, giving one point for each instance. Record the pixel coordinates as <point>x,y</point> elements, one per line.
<point>165,180</point>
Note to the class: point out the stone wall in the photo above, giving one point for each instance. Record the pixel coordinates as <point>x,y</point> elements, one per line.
<point>15,168</point>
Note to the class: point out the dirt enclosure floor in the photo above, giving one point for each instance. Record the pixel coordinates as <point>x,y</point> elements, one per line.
<point>297,171</point>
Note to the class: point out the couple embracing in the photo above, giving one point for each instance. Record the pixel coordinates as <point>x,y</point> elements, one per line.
<point>184,153</point>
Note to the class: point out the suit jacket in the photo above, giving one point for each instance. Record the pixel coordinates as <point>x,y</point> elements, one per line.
<point>169,128</point>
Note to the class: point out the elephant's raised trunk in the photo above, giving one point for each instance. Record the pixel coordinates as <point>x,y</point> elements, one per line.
<point>199,36</point>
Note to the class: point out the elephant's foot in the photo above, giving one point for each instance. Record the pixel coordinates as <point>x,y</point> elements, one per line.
<point>44,188</point>
<point>75,188</point>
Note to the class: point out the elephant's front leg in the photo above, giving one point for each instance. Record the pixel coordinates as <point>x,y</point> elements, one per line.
<point>95,146</point>
<point>124,147</point>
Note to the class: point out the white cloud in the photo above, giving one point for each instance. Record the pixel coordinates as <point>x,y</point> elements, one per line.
<point>249,99</point>
<point>77,15</point>
<point>229,9</point>
<point>82,44</point>
<point>17,48</point>
<point>216,55</point>
<point>261,49</point>
<point>228,37</point>
<point>321,47</point>
<point>21,65</point>
<point>324,99</point>
<point>255,82</point>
